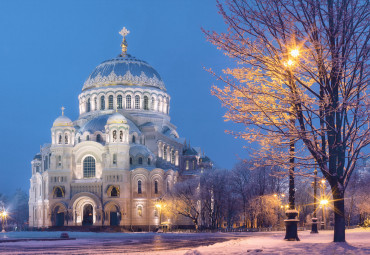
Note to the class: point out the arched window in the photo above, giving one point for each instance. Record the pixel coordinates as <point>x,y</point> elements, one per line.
<point>159,105</point>
<point>139,187</point>
<point>114,192</point>
<point>59,160</point>
<point>66,139</point>
<point>79,139</point>
<point>98,138</point>
<point>130,161</point>
<point>140,210</point>
<point>110,102</point>
<point>114,159</point>
<point>133,139</point>
<point>89,167</point>
<point>187,165</point>
<point>114,136</point>
<point>140,161</point>
<point>60,139</point>
<point>121,136</point>
<point>87,138</point>
<point>168,186</point>
<point>152,104</point>
<point>148,161</point>
<point>128,102</point>
<point>194,164</point>
<point>156,187</point>
<point>58,192</point>
<point>173,157</point>
<point>165,153</point>
<point>102,103</point>
<point>119,102</point>
<point>146,103</point>
<point>95,104</point>
<point>137,102</point>
<point>88,105</point>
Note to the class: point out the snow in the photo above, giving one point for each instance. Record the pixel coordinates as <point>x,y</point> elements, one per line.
<point>358,242</point>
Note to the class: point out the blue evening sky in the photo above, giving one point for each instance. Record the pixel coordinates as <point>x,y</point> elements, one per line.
<point>49,48</point>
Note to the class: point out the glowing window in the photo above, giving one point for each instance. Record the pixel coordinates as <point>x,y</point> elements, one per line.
<point>89,167</point>
<point>187,165</point>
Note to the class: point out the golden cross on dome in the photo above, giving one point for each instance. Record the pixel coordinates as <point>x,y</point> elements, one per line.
<point>63,110</point>
<point>124,32</point>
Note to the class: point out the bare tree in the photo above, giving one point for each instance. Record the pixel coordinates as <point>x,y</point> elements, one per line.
<point>185,200</point>
<point>302,78</point>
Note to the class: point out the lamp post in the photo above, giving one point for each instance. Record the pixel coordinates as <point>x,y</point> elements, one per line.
<point>314,218</point>
<point>291,224</point>
<point>3,215</point>
<point>323,203</point>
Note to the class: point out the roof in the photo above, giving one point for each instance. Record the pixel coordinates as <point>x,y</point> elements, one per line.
<point>124,70</point>
<point>98,124</point>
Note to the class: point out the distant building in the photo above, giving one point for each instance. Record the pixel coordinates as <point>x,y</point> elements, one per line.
<point>111,165</point>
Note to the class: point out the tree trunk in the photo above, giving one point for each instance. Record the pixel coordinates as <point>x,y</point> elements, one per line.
<point>339,218</point>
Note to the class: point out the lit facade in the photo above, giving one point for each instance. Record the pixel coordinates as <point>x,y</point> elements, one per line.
<point>122,154</point>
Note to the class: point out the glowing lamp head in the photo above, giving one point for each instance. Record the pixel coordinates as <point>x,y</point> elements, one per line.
<point>324,202</point>
<point>275,195</point>
<point>289,63</point>
<point>158,206</point>
<point>323,181</point>
<point>294,53</point>
<point>283,195</point>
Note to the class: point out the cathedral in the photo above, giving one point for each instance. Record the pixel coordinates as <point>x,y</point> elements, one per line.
<point>112,165</point>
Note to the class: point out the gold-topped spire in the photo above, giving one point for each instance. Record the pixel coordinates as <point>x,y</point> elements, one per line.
<point>124,32</point>
<point>63,110</point>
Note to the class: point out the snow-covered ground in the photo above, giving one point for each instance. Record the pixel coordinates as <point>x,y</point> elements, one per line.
<point>358,242</point>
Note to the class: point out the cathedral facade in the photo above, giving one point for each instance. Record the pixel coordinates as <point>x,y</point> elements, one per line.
<point>112,165</point>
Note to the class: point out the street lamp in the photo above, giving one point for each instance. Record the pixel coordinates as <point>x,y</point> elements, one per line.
<point>291,223</point>
<point>323,203</point>
<point>314,218</point>
<point>3,215</point>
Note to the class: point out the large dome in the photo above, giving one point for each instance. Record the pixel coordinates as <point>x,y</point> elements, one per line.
<point>124,70</point>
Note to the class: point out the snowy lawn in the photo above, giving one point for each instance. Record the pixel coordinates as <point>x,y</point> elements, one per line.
<point>358,242</point>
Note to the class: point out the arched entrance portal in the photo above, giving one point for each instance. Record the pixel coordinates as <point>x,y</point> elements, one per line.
<point>114,216</point>
<point>88,213</point>
<point>58,216</point>
<point>86,209</point>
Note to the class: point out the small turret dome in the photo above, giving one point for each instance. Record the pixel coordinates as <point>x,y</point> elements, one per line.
<point>116,118</point>
<point>63,121</point>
